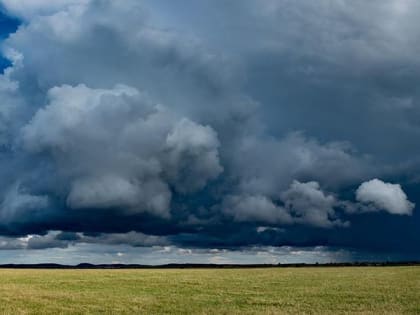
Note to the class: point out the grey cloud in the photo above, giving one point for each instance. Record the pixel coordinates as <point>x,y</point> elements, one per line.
<point>176,70</point>
<point>192,155</point>
<point>135,113</point>
<point>131,238</point>
<point>30,8</point>
<point>57,239</point>
<point>49,240</point>
<point>255,208</point>
<point>344,33</point>
<point>106,192</point>
<point>301,203</point>
<point>267,165</point>
<point>9,243</point>
<point>309,204</point>
<point>17,202</point>
<point>117,150</point>
<point>13,105</point>
<point>317,66</point>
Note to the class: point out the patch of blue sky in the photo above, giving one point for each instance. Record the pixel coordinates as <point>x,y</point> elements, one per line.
<point>8,25</point>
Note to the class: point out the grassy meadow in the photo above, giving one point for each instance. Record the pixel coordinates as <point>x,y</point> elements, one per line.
<point>342,290</point>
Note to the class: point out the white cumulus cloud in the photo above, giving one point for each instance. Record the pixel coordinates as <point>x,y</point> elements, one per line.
<point>384,196</point>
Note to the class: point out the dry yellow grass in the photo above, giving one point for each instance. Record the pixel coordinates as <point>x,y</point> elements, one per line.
<point>359,290</point>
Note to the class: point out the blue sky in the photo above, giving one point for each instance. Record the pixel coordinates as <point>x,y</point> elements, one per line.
<point>7,25</point>
<point>202,131</point>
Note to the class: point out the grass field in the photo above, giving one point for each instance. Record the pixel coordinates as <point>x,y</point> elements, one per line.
<point>363,290</point>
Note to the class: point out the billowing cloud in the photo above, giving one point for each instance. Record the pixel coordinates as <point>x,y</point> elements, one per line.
<point>301,203</point>
<point>310,204</point>
<point>191,156</point>
<point>117,150</point>
<point>384,196</point>
<point>128,122</point>
<point>256,209</point>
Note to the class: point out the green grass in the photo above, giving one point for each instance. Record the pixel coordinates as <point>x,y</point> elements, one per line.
<point>358,290</point>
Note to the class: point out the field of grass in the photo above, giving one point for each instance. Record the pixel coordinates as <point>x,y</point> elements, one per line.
<point>363,290</point>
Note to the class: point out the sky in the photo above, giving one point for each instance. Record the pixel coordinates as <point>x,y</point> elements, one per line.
<point>205,131</point>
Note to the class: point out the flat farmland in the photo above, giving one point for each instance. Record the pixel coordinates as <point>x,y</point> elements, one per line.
<point>320,290</point>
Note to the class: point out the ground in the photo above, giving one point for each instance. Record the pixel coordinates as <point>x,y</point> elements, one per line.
<point>317,290</point>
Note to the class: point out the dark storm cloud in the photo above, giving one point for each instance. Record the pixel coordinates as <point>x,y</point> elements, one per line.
<point>284,123</point>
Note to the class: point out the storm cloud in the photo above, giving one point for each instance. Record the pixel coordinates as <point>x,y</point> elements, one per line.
<point>140,124</point>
